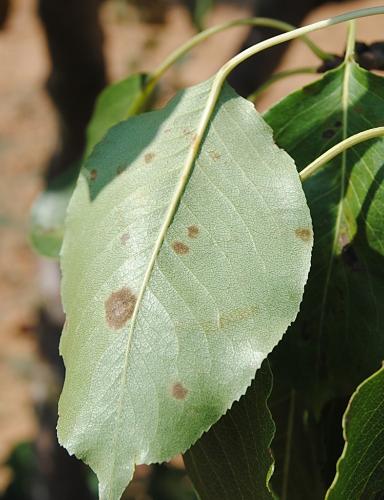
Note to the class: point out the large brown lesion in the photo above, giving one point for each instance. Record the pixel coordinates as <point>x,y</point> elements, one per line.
<point>148,158</point>
<point>119,308</point>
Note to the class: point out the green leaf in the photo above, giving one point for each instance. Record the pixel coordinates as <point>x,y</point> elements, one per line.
<point>299,447</point>
<point>360,470</point>
<point>202,7</point>
<point>175,287</point>
<point>337,340</point>
<point>116,103</point>
<point>233,459</point>
<point>48,214</point>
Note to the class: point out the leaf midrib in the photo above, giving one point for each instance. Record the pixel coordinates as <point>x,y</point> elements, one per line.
<point>186,172</point>
<point>348,64</point>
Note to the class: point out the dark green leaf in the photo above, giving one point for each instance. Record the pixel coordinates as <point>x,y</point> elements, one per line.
<point>305,448</point>
<point>360,470</point>
<point>337,339</point>
<point>116,103</point>
<point>233,459</point>
<point>202,7</point>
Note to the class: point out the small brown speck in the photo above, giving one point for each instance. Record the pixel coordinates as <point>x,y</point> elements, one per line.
<point>215,155</point>
<point>189,134</point>
<point>327,134</point>
<point>149,157</point>
<point>179,391</point>
<point>124,238</point>
<point>119,170</point>
<point>338,124</point>
<point>193,231</point>
<point>119,307</point>
<point>304,234</point>
<point>93,174</point>
<point>180,247</point>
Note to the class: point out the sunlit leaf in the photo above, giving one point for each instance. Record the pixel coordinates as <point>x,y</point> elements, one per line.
<point>337,340</point>
<point>155,354</point>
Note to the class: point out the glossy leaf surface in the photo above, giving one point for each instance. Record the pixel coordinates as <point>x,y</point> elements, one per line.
<point>360,471</point>
<point>337,340</point>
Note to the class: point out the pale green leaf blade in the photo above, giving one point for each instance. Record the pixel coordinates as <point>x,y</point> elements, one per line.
<point>115,103</point>
<point>233,459</point>
<point>225,285</point>
<point>360,470</point>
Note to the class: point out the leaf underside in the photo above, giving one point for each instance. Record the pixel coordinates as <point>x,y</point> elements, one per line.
<point>226,283</point>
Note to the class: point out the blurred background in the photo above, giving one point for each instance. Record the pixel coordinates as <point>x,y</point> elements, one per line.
<point>55,57</point>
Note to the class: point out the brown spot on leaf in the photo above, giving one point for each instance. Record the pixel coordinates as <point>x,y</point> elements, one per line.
<point>179,391</point>
<point>304,233</point>
<point>119,307</point>
<point>124,238</point>
<point>193,231</point>
<point>189,134</point>
<point>236,316</point>
<point>180,247</point>
<point>119,170</point>
<point>93,174</point>
<point>327,134</point>
<point>149,157</point>
<point>338,124</point>
<point>215,155</point>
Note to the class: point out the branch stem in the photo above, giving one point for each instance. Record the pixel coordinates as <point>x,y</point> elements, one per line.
<point>279,76</point>
<point>339,148</point>
<point>264,22</point>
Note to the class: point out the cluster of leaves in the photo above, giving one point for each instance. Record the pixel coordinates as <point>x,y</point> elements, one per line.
<point>185,256</point>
